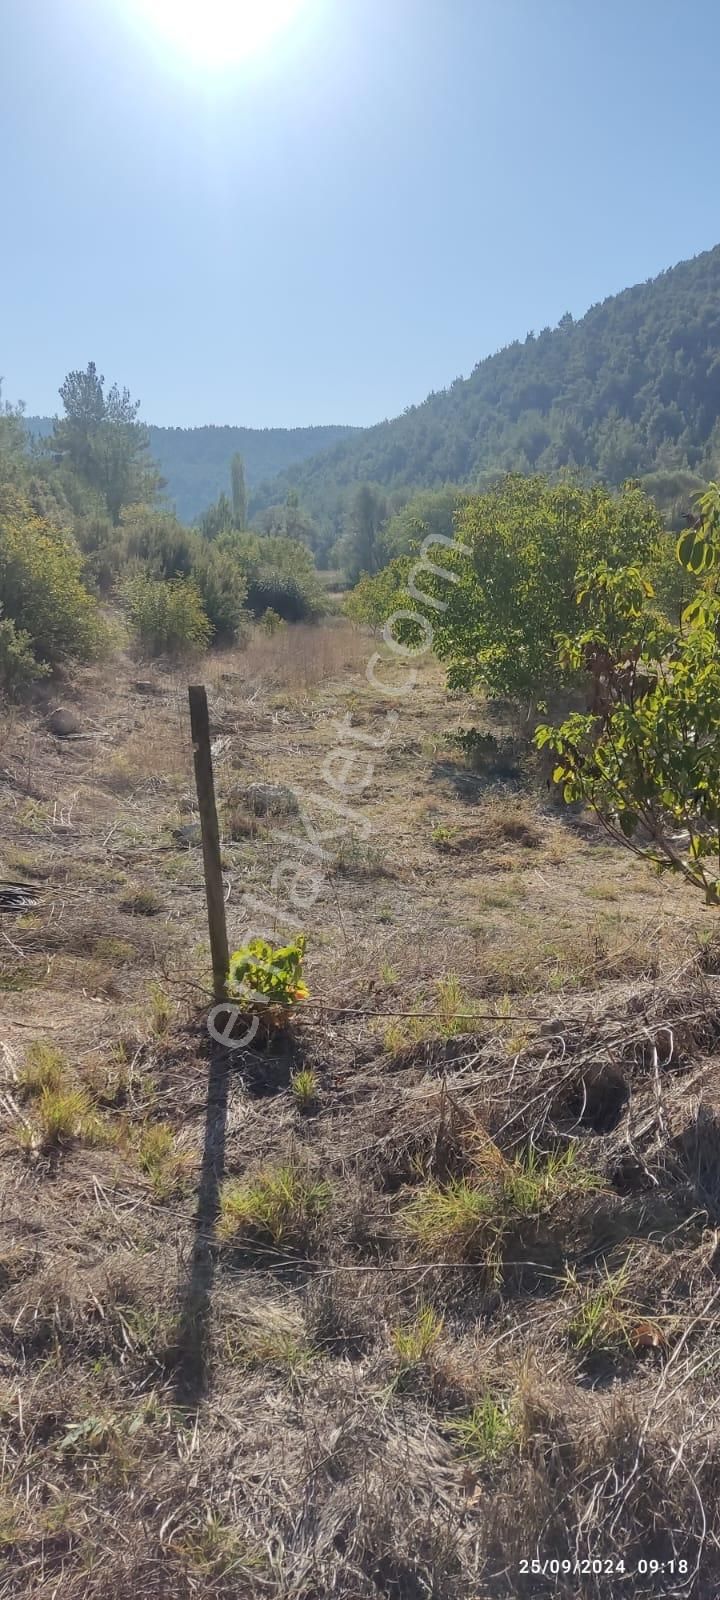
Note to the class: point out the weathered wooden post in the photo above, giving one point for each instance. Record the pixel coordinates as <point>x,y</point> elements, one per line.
<point>204,782</point>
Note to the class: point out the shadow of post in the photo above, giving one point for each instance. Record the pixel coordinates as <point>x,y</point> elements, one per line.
<point>192,1368</point>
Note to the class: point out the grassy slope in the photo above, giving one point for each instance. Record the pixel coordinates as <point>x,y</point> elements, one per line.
<point>415,1352</point>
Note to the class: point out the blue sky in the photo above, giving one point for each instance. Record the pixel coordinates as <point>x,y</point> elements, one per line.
<point>350,217</point>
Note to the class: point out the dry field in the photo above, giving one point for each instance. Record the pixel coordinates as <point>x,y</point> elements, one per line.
<point>428,1290</point>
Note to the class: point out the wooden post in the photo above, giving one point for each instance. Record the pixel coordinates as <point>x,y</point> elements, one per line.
<point>214,893</point>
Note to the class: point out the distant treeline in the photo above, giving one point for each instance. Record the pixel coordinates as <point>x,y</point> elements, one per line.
<point>195,462</point>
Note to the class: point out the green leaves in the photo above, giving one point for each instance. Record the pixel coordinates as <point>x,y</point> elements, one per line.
<point>646,758</point>
<point>274,975</point>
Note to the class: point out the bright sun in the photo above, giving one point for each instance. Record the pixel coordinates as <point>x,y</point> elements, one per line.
<point>217,33</point>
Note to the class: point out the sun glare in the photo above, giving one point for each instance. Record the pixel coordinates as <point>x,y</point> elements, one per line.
<point>217,33</point>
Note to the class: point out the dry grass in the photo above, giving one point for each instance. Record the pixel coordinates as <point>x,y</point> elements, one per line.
<point>461,1309</point>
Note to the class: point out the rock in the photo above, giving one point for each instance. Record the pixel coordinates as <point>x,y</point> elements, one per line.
<point>63,723</point>
<point>269,799</point>
<point>190,834</point>
<point>145,686</point>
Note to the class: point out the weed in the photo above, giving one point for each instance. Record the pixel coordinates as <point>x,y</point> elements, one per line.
<point>488,1431</point>
<point>142,902</point>
<point>469,1219</point>
<point>276,1349</point>
<point>161,1160</point>
<point>414,1340</point>
<point>454,1007</point>
<point>119,951</point>
<point>532,1184</point>
<point>443,838</point>
<point>63,1115</point>
<point>215,1549</point>
<point>448,1220</point>
<point>161,1011</point>
<point>45,1068</point>
<point>304,1085</point>
<point>280,1206</point>
<point>355,859</point>
<point>388,974</point>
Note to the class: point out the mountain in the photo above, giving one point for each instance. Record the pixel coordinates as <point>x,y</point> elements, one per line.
<point>630,390</point>
<point>196,461</point>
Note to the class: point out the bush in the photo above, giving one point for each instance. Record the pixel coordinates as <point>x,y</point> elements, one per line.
<point>273,975</point>
<point>222,587</point>
<point>167,618</point>
<point>646,757</point>
<point>498,601</point>
<point>159,541</point>
<point>43,595</point>
<point>280,592</point>
<point>18,666</point>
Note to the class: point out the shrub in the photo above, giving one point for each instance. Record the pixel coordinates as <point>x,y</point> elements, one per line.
<point>272,975</point>
<point>281,593</point>
<point>42,591</point>
<point>159,541</point>
<point>271,623</point>
<point>646,757</point>
<point>223,590</point>
<point>167,618</point>
<point>19,667</point>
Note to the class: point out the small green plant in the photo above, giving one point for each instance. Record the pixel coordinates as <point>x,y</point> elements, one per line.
<point>413,1341</point>
<point>488,1431</point>
<point>63,1115</point>
<point>442,837</point>
<point>142,902</point>
<point>278,1207</point>
<point>533,1183</point>
<point>164,1164</point>
<point>271,623</point>
<point>304,1085</point>
<point>45,1068</point>
<point>161,1010</point>
<point>452,1219</point>
<point>454,1007</point>
<point>271,975</point>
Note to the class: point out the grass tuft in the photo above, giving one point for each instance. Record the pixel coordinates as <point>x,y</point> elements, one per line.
<point>279,1207</point>
<point>45,1068</point>
<point>164,1164</point>
<point>488,1431</point>
<point>413,1341</point>
<point>304,1085</point>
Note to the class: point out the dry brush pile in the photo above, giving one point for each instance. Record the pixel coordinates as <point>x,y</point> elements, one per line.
<point>438,1311</point>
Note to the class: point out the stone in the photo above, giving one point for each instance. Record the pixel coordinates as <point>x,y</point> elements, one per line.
<point>190,834</point>
<point>63,723</point>
<point>269,800</point>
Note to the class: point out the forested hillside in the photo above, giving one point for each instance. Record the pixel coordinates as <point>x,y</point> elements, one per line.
<point>632,389</point>
<point>195,462</point>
